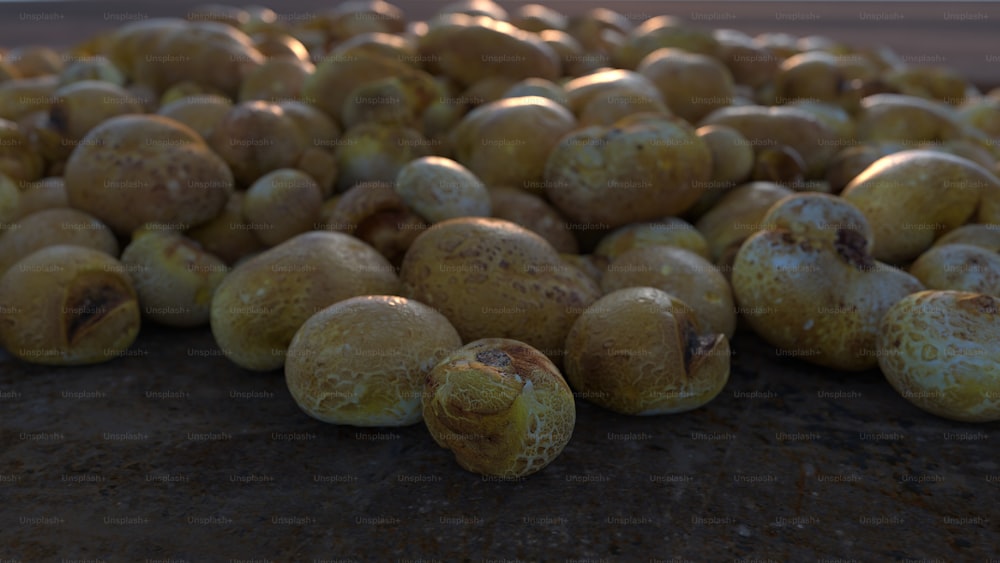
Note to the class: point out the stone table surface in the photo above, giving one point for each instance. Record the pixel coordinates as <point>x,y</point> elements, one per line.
<point>171,452</point>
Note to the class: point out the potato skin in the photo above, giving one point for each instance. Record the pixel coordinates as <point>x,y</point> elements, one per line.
<point>363,361</point>
<point>501,406</point>
<point>51,227</point>
<point>136,169</point>
<point>262,302</point>
<point>938,350</point>
<point>67,305</point>
<point>493,278</point>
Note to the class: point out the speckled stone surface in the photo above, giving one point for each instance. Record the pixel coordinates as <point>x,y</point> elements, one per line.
<point>173,453</point>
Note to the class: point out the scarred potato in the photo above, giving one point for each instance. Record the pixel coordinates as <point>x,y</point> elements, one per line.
<point>67,305</point>
<point>500,406</point>
<point>138,169</point>
<point>938,350</point>
<point>641,169</point>
<point>640,351</point>
<point>173,277</point>
<point>493,278</point>
<point>259,306</point>
<point>345,364</point>
<point>813,288</point>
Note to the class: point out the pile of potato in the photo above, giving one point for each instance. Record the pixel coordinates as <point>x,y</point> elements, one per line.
<point>476,219</point>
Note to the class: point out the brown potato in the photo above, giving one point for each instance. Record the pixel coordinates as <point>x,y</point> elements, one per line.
<point>535,214</point>
<point>692,85</point>
<point>228,235</point>
<point>275,80</point>
<point>255,138</point>
<point>374,212</point>
<point>376,152</point>
<point>83,105</point>
<point>201,113</point>
<point>664,32</point>
<point>959,267</point>
<point>670,231</point>
<point>282,204</point>
<point>136,169</point>
<point>18,160</point>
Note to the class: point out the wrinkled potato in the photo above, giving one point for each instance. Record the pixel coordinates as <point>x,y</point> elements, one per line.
<point>501,406</point>
<point>507,142</point>
<point>535,214</point>
<point>173,276</point>
<point>684,275</point>
<point>67,305</point>
<point>137,169</point>
<point>259,306</point>
<point>493,278</point>
<point>938,350</point>
<point>641,351</point>
<point>440,188</point>
<point>911,197</point>
<point>282,204</point>
<point>363,361</point>
<point>255,138</point>
<point>631,172</point>
<point>51,227</point>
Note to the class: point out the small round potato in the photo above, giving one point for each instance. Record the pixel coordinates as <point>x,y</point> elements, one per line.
<point>255,138</point>
<point>667,232</point>
<point>81,106</point>
<point>500,406</point>
<point>692,85</point>
<point>228,236</point>
<point>439,188</point>
<point>173,276</point>
<point>377,152</point>
<point>67,305</point>
<point>363,361</point>
<point>938,349</point>
<point>535,214</point>
<point>959,267</point>
<point>201,113</point>
<point>641,351</point>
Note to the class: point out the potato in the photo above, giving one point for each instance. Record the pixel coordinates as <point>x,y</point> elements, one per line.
<point>486,8</point>
<point>501,406</point>
<point>33,60</point>
<point>52,227</point>
<point>581,91</point>
<point>794,127</point>
<point>811,75</point>
<point>83,105</point>
<point>10,203</point>
<point>275,80</point>
<point>662,32</point>
<point>631,172</point>
<point>228,236</point>
<point>670,231</point>
<point>469,49</point>
<point>91,68</point>
<point>692,85</point>
<point>201,113</point>
<point>507,142</point>
<point>346,364</point>
<point>640,351</point>
<point>277,45</point>
<point>377,152</point>
<point>537,87</point>
<point>983,236</point>
<point>492,278</point>
<point>255,138</point>
<point>732,155</point>
<point>320,130</point>
<point>136,169</point>
<point>385,45</point>
<point>911,197</point>
<point>938,350</point>
<point>282,204</point>
<point>898,117</point>
<point>684,275</point>
<point>851,161</point>
<point>259,306</point>
<point>536,17</point>
<point>440,188</point>
<point>173,277</point>
<point>959,267</point>
<point>17,159</point>
<point>67,305</point>
<point>388,100</point>
<point>618,104</point>
<point>23,96</point>
<point>811,286</point>
<point>750,64</point>
<point>374,212</point>
<point>535,214</point>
